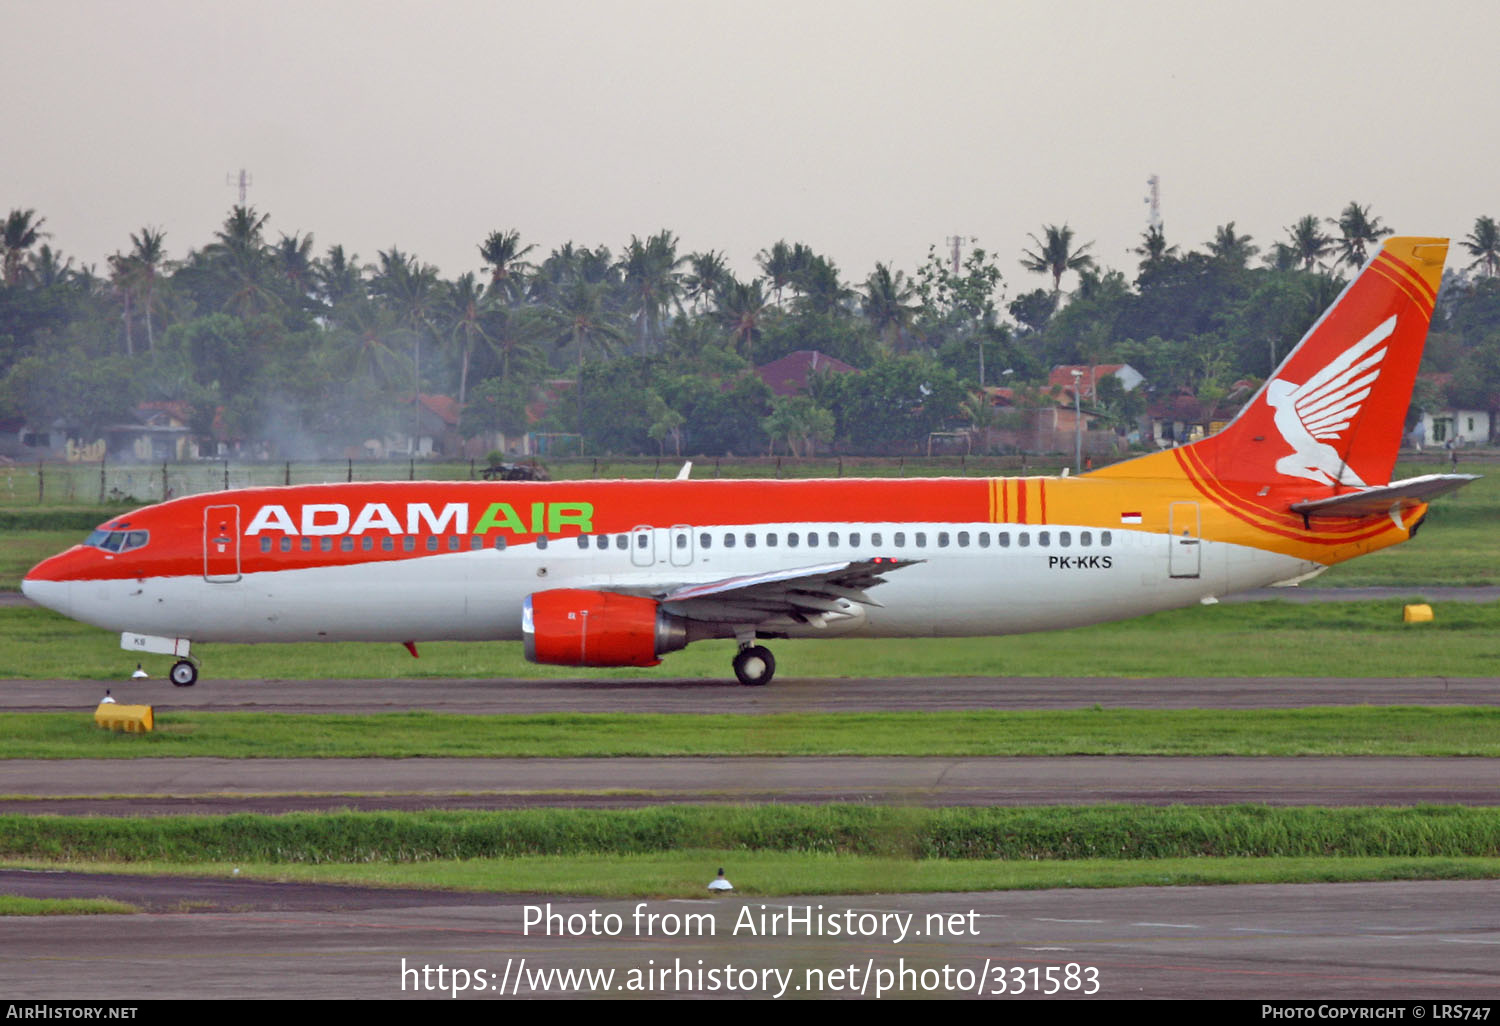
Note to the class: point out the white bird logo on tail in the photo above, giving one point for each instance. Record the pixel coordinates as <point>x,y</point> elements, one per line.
<point>1323,407</point>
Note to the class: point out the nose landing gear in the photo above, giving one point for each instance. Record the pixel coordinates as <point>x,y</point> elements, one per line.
<point>184,674</point>
<point>754,665</point>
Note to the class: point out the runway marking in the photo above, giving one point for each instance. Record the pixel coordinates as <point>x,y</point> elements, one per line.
<point>1171,926</point>
<point>1046,919</point>
<point>1024,948</point>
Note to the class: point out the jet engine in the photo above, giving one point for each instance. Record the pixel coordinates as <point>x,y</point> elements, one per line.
<point>575,627</point>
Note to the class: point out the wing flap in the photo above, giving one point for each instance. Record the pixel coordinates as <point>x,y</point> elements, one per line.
<point>818,592</point>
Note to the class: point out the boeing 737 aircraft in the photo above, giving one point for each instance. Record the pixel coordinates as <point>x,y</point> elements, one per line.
<point>620,573</point>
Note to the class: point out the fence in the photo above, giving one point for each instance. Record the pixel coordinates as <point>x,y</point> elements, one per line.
<point>134,484</point>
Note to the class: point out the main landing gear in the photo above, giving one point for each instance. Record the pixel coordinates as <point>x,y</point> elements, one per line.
<point>754,665</point>
<point>184,674</point>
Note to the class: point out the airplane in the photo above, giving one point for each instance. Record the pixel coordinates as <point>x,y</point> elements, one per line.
<point>621,573</point>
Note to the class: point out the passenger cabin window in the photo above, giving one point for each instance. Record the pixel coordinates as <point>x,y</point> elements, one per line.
<point>1044,538</point>
<point>621,542</point>
<point>1104,537</point>
<point>812,539</point>
<point>963,539</point>
<point>432,543</point>
<point>1023,539</point>
<point>875,539</point>
<point>1064,538</point>
<point>265,545</point>
<point>705,540</point>
<point>853,540</point>
<point>499,543</point>
<point>900,539</point>
<point>942,539</point>
<point>1085,538</point>
<point>791,539</point>
<point>921,539</point>
<point>286,545</point>
<point>346,543</point>
<point>409,543</point>
<point>1003,538</point>
<point>771,539</point>
<point>583,541</point>
<point>541,541</point>
<point>388,544</point>
<point>750,539</point>
<point>729,541</point>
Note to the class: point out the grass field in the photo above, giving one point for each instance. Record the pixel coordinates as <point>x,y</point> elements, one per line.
<point>781,850</point>
<point>1334,639</point>
<point>1387,731</point>
<point>11,905</point>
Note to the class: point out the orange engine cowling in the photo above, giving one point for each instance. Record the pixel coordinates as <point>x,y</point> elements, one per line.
<point>573,627</point>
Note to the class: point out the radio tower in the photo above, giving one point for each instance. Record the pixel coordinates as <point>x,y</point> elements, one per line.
<point>1154,200</point>
<point>957,241</point>
<point>243,180</point>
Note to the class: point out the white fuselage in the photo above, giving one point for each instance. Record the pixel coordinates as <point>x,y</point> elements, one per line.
<point>954,590</point>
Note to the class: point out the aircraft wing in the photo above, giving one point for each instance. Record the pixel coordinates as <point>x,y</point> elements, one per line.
<point>1383,499</point>
<point>819,594</point>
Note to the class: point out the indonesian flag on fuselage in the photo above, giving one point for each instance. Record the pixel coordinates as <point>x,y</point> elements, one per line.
<point>1130,518</point>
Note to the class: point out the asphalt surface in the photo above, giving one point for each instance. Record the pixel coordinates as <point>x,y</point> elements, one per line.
<point>1436,941</point>
<point>786,694</point>
<point>140,786</point>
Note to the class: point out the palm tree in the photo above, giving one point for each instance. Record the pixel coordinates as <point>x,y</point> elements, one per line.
<point>581,316</point>
<point>779,266</point>
<point>467,303</point>
<point>123,278</point>
<point>295,261</point>
<point>652,282</point>
<point>1483,244</point>
<point>1307,244</point>
<point>709,273</point>
<point>22,229</point>
<point>1153,248</point>
<point>339,277</point>
<point>369,343</point>
<point>148,257</point>
<point>821,289</point>
<point>238,257</point>
<point>49,268</point>
<point>1357,230</point>
<point>887,304</point>
<point>503,253</point>
<point>742,309</point>
<point>1232,249</point>
<point>512,334</point>
<point>1056,256</point>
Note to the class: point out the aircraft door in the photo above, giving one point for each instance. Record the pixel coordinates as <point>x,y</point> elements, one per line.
<point>680,538</point>
<point>1185,556</point>
<point>221,544</point>
<point>643,546</point>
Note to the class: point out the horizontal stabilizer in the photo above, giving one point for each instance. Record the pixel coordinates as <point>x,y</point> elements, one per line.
<point>1380,500</point>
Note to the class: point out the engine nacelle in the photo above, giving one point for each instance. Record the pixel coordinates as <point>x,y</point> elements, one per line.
<point>574,627</point>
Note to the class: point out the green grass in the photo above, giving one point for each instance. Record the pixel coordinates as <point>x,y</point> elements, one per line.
<point>1014,834</point>
<point>10,905</point>
<point>685,874</point>
<point>1354,639</point>
<point>1357,730</point>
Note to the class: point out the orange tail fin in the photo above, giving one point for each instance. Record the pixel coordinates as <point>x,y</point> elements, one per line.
<point>1331,416</point>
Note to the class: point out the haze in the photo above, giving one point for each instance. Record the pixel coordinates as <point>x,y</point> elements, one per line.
<point>867,130</point>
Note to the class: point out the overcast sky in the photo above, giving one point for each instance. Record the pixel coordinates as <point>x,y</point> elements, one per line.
<point>868,130</point>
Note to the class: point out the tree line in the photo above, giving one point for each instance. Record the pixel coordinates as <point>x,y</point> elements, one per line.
<point>652,349</point>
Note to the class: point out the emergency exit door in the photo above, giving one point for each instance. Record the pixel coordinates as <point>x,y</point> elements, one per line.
<point>1185,556</point>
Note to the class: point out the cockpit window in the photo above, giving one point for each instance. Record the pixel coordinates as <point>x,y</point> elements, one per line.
<point>118,541</point>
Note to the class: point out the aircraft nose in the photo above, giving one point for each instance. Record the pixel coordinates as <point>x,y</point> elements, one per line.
<point>55,595</point>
